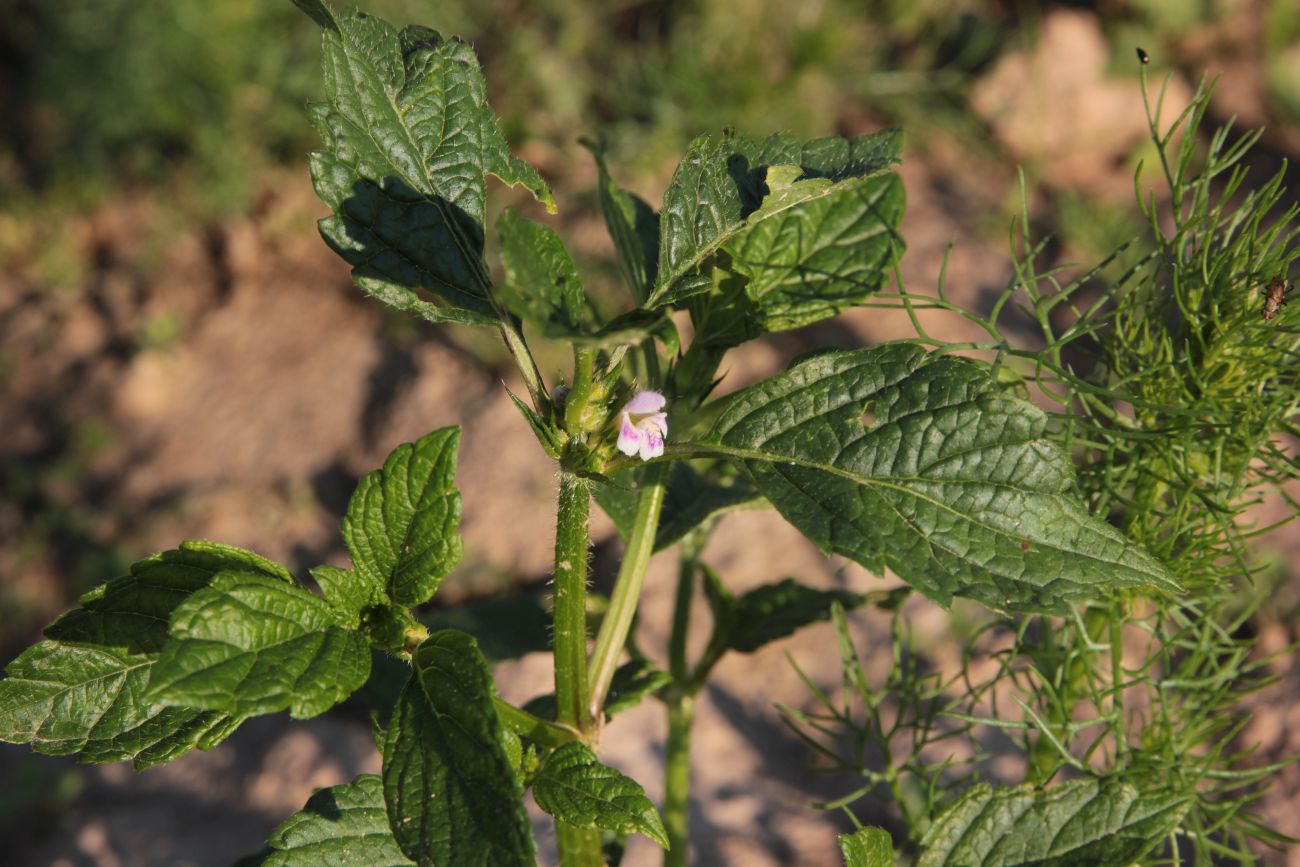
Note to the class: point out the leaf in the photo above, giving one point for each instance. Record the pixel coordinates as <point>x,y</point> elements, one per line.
<point>574,787</point>
<point>542,284</point>
<point>345,590</point>
<point>402,520</point>
<point>409,138</point>
<point>867,847</point>
<point>633,681</point>
<point>452,792</point>
<point>547,432</point>
<point>633,226</point>
<point>1082,822</point>
<point>343,826</point>
<point>898,459</point>
<point>248,644</point>
<point>691,500</point>
<point>83,691</point>
<point>505,627</point>
<point>774,611</point>
<point>796,234</point>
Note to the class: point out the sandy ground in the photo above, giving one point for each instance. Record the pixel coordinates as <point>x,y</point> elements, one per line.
<point>287,385</point>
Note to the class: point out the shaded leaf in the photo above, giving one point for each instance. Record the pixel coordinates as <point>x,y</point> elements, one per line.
<point>402,521</point>
<point>84,691</point>
<point>451,788</point>
<point>633,681</point>
<point>633,226</point>
<point>794,234</point>
<point>913,462</point>
<point>690,501</point>
<point>574,787</point>
<point>542,284</point>
<point>409,138</point>
<point>342,826</point>
<point>867,847</point>
<point>249,644</point>
<point>1082,823</point>
<point>774,611</point>
<point>505,627</point>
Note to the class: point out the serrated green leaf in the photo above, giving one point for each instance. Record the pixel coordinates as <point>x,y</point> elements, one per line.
<point>633,226</point>
<point>345,590</point>
<point>452,792</point>
<point>542,285</point>
<point>574,787</point>
<point>774,611</point>
<point>409,138</point>
<point>1082,823</point>
<point>867,847</point>
<point>794,234</point>
<point>83,691</point>
<point>898,459</point>
<point>342,826</point>
<point>690,500</point>
<point>248,644</point>
<point>633,681</point>
<point>402,520</point>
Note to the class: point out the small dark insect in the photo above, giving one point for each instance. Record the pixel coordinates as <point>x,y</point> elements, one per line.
<point>1143,57</point>
<point>1274,297</point>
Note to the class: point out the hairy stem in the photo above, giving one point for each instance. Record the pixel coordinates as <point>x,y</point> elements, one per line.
<point>577,847</point>
<point>570,601</point>
<point>627,589</point>
<point>677,777</point>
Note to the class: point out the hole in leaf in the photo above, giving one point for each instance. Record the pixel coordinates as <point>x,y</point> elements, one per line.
<point>869,415</point>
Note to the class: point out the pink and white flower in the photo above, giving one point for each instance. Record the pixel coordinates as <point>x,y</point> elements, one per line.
<point>642,425</point>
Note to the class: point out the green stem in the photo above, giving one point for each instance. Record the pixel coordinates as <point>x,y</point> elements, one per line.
<point>677,665</point>
<point>627,589</point>
<point>578,847</point>
<point>523,356</point>
<point>677,777</point>
<point>584,366</point>
<point>570,601</point>
<point>534,728</point>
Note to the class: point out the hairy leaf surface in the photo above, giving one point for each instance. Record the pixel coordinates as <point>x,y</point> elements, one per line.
<point>402,520</point>
<point>690,501</point>
<point>634,227</point>
<point>633,681</point>
<point>774,236</point>
<point>542,284</point>
<point>912,462</point>
<point>449,782</point>
<point>576,788</point>
<point>342,826</point>
<point>248,644</point>
<point>867,847</point>
<point>1079,823</point>
<point>409,138</point>
<point>771,611</point>
<point>84,690</point>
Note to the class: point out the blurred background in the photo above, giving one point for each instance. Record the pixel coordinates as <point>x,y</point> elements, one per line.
<point>182,357</point>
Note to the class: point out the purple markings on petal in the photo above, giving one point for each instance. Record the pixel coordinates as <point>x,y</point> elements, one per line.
<point>642,427</point>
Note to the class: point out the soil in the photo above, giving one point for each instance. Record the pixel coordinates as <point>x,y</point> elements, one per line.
<point>284,385</point>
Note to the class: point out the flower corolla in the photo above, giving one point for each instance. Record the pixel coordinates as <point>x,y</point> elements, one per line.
<point>642,425</point>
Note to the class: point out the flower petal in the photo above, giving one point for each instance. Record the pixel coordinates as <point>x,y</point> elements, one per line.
<point>645,401</point>
<point>630,439</point>
<point>652,446</point>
